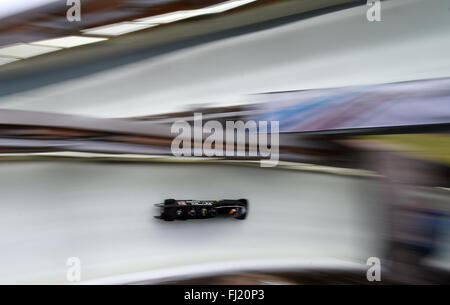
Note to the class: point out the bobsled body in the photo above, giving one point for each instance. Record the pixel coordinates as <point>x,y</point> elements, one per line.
<point>173,209</point>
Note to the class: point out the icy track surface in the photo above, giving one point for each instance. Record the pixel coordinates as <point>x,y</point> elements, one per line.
<point>103,214</point>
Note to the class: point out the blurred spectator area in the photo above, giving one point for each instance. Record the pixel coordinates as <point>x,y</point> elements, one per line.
<point>49,19</point>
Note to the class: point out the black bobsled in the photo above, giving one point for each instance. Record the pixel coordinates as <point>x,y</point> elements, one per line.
<point>173,209</point>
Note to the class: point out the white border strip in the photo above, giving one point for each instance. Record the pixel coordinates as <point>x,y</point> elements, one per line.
<point>222,268</point>
<point>25,50</point>
<point>180,15</point>
<point>68,41</point>
<point>117,29</point>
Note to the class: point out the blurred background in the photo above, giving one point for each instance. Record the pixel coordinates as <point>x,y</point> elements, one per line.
<point>89,91</point>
